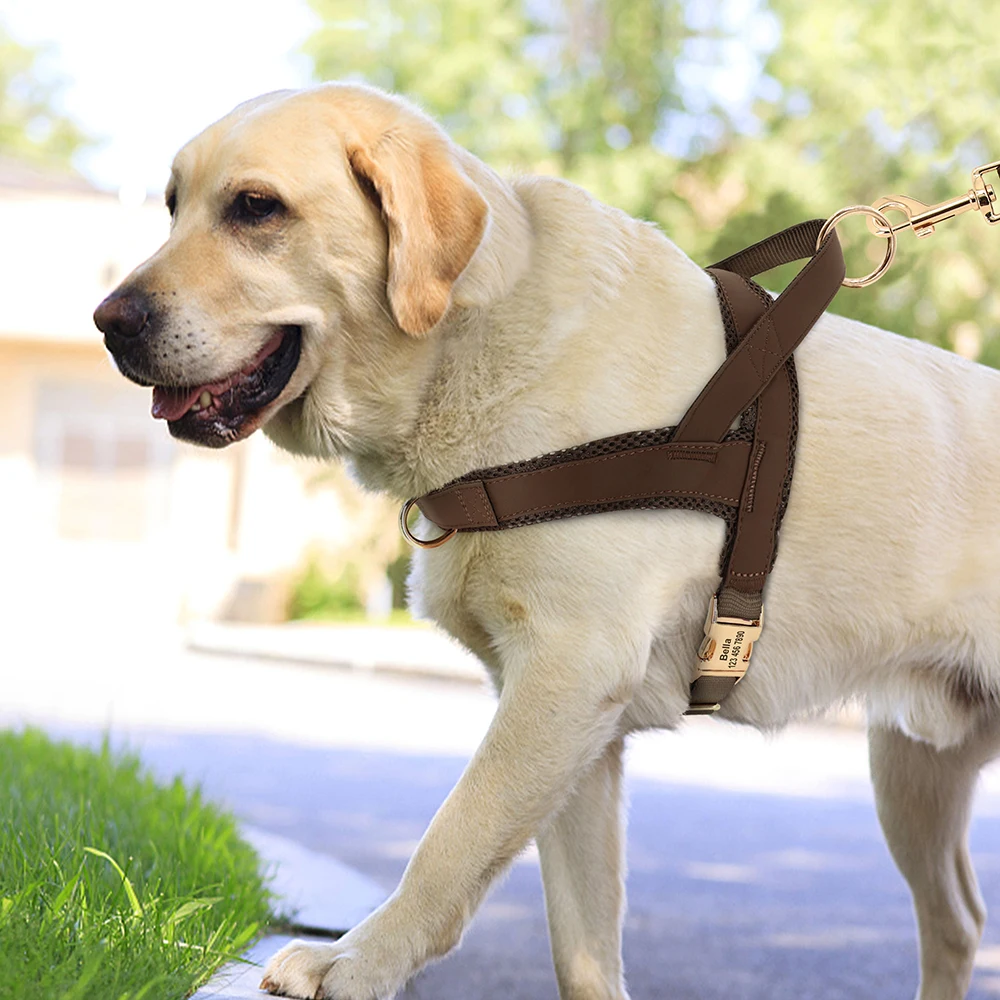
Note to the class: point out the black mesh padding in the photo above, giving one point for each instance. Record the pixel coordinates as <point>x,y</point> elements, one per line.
<point>725,511</point>
<point>592,449</point>
<point>793,437</point>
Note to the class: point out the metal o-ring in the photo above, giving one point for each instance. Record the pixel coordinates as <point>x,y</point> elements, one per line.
<point>423,543</point>
<point>890,250</point>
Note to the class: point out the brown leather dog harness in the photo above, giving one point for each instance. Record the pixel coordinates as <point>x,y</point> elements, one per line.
<point>741,473</point>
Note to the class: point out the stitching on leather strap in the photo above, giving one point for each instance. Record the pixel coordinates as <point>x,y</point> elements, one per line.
<point>484,499</point>
<point>755,468</point>
<point>465,510</point>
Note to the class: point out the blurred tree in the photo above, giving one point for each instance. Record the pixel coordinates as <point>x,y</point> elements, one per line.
<point>721,126</point>
<point>879,99</point>
<point>578,88</point>
<point>30,127</point>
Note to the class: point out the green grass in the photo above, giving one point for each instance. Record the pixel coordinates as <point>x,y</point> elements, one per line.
<point>114,887</point>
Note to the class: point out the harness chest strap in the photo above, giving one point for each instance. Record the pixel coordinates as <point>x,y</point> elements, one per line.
<point>741,475</point>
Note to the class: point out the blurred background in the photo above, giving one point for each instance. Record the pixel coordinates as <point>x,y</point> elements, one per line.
<point>146,586</point>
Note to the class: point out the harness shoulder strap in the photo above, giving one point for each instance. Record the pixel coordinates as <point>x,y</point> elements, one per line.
<point>776,333</point>
<point>770,331</point>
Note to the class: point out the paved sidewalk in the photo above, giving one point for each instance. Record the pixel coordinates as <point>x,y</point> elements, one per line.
<point>421,649</point>
<point>315,890</point>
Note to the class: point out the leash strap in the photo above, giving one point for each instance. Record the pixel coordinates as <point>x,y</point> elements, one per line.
<point>741,474</point>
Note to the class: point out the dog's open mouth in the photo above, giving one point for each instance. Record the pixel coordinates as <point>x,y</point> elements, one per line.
<point>222,412</point>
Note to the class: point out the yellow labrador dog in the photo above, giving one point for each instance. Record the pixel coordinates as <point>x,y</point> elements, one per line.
<point>342,275</point>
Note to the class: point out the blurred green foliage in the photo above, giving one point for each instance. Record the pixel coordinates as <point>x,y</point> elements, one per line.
<point>30,126</point>
<point>723,121</point>
<point>317,595</point>
<point>321,595</point>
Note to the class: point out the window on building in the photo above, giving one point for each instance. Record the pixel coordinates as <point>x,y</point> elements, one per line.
<point>103,461</point>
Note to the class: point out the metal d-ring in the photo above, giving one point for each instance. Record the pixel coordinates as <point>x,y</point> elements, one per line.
<point>888,234</point>
<point>423,543</point>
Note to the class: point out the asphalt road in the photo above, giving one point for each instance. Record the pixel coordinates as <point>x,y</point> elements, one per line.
<point>757,869</point>
<point>731,894</point>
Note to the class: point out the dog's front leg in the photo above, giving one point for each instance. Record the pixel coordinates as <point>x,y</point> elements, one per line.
<point>556,715</point>
<point>582,851</point>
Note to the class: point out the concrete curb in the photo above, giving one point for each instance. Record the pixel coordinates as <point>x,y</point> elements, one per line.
<point>323,894</point>
<point>319,892</point>
<point>420,650</point>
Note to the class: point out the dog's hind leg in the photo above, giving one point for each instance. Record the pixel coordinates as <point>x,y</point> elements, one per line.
<point>583,870</point>
<point>924,799</point>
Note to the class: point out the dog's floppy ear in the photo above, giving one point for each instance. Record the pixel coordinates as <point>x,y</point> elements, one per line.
<point>435,216</point>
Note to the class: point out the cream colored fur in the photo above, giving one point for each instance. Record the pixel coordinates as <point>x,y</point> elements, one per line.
<point>572,321</point>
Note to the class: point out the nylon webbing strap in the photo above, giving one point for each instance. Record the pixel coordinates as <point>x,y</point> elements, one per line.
<point>794,243</point>
<point>701,464</point>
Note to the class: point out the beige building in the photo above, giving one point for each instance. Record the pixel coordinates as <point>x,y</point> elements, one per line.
<point>100,509</point>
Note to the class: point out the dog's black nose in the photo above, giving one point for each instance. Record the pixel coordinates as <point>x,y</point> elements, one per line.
<point>121,317</point>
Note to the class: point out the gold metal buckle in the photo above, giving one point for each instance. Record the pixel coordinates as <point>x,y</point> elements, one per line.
<point>725,650</point>
<point>422,543</point>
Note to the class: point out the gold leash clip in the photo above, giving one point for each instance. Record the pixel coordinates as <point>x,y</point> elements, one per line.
<point>923,218</point>
<point>920,218</point>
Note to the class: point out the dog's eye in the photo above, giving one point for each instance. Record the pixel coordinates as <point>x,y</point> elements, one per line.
<point>172,203</point>
<point>250,207</point>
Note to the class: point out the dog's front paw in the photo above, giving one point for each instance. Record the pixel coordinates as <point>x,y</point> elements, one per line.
<point>345,970</point>
<point>298,969</point>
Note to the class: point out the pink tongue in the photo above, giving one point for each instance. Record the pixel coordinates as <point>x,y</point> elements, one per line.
<point>172,404</point>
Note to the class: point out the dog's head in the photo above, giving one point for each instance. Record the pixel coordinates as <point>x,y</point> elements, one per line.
<point>299,216</point>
